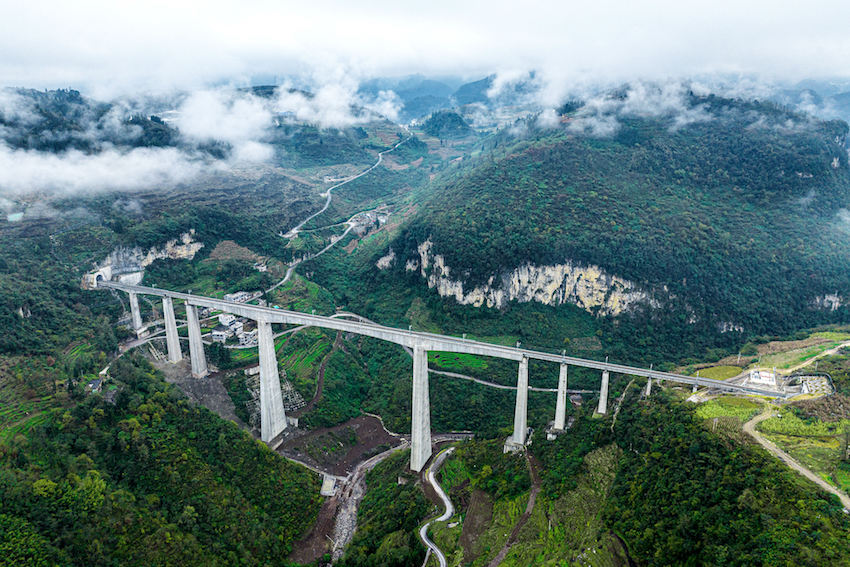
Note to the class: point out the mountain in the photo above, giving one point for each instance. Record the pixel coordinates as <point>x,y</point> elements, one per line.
<point>730,226</point>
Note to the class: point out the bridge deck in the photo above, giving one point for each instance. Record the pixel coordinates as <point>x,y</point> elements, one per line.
<point>429,341</point>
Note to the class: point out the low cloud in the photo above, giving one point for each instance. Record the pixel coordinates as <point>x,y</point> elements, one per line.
<point>28,171</point>
<point>238,119</point>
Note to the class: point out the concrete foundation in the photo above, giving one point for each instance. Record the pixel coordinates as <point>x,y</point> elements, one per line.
<point>561,404</point>
<point>196,345</point>
<point>603,394</point>
<point>135,312</point>
<point>420,423</point>
<point>272,414</point>
<point>521,409</point>
<point>172,339</point>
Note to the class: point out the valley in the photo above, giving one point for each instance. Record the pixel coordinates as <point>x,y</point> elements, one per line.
<point>473,258</point>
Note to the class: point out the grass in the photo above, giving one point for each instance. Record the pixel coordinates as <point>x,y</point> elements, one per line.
<point>719,372</point>
<point>791,358</point>
<point>453,361</point>
<point>728,406</point>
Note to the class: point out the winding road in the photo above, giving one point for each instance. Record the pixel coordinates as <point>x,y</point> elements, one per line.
<point>750,429</point>
<point>295,230</point>
<point>450,509</point>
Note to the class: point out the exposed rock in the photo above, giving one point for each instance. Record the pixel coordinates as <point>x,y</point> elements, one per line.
<point>386,261</point>
<point>830,302</point>
<point>127,264</point>
<point>588,287</point>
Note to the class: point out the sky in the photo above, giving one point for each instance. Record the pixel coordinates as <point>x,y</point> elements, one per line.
<point>108,48</point>
<point>203,50</point>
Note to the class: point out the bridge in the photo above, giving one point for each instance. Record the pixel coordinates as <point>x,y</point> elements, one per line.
<point>273,416</point>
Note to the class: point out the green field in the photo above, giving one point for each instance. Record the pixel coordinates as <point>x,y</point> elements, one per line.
<point>455,361</point>
<point>728,406</point>
<point>719,372</point>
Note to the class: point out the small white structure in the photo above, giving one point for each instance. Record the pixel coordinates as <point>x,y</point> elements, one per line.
<point>248,338</point>
<point>762,378</point>
<point>220,334</point>
<point>235,327</point>
<point>239,296</point>
<point>226,319</point>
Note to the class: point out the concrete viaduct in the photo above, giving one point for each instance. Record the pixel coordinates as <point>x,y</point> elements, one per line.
<point>273,417</point>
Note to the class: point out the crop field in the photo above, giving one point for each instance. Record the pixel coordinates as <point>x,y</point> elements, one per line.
<point>454,361</point>
<point>728,406</point>
<point>719,372</point>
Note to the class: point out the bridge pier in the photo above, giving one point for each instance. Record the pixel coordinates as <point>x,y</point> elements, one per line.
<point>561,405</point>
<point>135,312</point>
<point>196,344</point>
<point>517,440</point>
<point>602,408</point>
<point>648,386</point>
<point>272,414</point>
<point>420,422</point>
<point>172,339</point>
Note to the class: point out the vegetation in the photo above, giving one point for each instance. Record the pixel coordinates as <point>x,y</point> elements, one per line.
<point>673,209</point>
<point>150,479</point>
<point>388,517</point>
<point>446,124</point>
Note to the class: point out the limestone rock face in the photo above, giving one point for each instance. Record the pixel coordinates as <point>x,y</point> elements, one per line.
<point>127,265</point>
<point>588,287</point>
<point>829,302</point>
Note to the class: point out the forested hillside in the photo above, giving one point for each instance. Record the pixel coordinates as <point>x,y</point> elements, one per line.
<point>733,222</point>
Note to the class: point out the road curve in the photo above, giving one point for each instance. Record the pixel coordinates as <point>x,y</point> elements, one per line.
<point>750,429</point>
<point>450,509</point>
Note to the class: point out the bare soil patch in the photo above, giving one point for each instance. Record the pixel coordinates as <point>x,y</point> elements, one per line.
<point>479,516</point>
<point>828,408</point>
<point>229,250</point>
<point>338,449</point>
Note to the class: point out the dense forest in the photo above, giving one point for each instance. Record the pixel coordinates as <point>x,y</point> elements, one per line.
<point>106,484</point>
<point>737,219</point>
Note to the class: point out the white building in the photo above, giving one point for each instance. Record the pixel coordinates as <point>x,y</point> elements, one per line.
<point>248,338</point>
<point>220,334</point>
<point>763,378</point>
<point>239,296</point>
<point>235,327</point>
<point>226,319</point>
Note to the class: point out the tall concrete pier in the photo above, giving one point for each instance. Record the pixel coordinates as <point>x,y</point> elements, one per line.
<point>272,414</point>
<point>172,339</point>
<point>196,345</point>
<point>561,404</point>
<point>648,386</point>
<point>274,418</point>
<point>135,312</point>
<point>603,394</point>
<point>420,420</point>
<point>521,409</point>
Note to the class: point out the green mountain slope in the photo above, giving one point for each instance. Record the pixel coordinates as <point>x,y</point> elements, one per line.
<point>737,219</point>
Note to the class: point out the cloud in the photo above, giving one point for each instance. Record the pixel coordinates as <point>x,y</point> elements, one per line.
<point>28,171</point>
<point>110,47</point>
<point>238,119</point>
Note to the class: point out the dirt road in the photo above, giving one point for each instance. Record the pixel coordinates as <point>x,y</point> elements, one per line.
<point>750,429</point>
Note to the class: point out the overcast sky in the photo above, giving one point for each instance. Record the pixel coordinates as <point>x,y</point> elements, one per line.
<point>110,47</point>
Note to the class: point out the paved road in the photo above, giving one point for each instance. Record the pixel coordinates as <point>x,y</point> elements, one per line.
<point>450,509</point>
<point>750,429</point>
<point>294,232</point>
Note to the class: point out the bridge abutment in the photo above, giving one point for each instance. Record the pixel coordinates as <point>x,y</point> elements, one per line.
<point>196,344</point>
<point>172,339</point>
<point>602,408</point>
<point>561,404</point>
<point>420,422</point>
<point>272,414</point>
